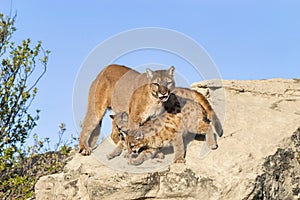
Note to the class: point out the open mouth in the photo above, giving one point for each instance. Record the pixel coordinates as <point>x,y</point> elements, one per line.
<point>163,98</point>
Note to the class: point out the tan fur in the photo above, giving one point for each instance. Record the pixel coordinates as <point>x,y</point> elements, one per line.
<point>148,107</point>
<point>145,102</point>
<point>113,89</point>
<point>197,96</point>
<point>182,115</point>
<point>192,118</point>
<point>99,99</point>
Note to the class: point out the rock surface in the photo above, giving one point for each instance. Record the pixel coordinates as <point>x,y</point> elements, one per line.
<point>258,155</point>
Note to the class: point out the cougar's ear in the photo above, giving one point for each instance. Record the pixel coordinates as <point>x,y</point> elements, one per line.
<point>149,73</point>
<point>124,117</point>
<point>171,70</point>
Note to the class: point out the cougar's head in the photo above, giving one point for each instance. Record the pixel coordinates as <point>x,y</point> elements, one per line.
<point>162,82</point>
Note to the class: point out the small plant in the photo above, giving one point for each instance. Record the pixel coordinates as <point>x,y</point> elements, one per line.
<point>39,159</point>
<point>21,68</point>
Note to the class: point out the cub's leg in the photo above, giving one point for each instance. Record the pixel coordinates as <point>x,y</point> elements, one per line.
<point>178,149</point>
<point>117,151</point>
<point>115,135</point>
<point>142,157</point>
<point>118,140</point>
<point>206,127</point>
<point>211,140</point>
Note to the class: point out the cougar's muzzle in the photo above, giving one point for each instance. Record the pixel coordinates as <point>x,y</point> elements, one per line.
<point>163,93</point>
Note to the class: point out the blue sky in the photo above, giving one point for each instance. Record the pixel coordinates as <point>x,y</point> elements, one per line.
<point>245,39</point>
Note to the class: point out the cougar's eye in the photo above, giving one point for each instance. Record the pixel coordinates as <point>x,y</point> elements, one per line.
<point>156,84</point>
<point>170,83</point>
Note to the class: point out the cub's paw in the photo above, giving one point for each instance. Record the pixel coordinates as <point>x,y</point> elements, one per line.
<point>128,155</point>
<point>212,146</point>
<point>85,151</point>
<point>110,156</point>
<point>211,141</point>
<point>136,161</point>
<point>116,152</point>
<point>180,160</point>
<point>160,155</point>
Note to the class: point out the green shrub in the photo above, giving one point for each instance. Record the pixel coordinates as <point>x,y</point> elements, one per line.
<point>22,66</point>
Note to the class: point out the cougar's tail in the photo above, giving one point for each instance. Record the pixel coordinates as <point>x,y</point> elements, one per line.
<point>210,112</point>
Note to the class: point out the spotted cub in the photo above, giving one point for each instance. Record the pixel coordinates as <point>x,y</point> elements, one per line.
<point>181,116</point>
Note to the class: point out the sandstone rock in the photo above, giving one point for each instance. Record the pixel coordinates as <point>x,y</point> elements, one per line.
<point>257,158</point>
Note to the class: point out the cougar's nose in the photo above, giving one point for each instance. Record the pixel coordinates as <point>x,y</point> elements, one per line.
<point>163,90</point>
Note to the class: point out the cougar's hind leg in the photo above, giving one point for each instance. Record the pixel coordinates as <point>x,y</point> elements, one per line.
<point>95,135</point>
<point>90,132</point>
<point>96,123</point>
<point>89,126</point>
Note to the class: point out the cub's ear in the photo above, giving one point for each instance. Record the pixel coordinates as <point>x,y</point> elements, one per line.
<point>124,117</point>
<point>149,73</point>
<point>171,70</point>
<point>112,116</point>
<point>139,134</point>
<point>123,134</point>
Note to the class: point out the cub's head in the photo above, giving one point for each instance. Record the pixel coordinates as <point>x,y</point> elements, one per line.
<point>121,123</point>
<point>162,82</point>
<point>134,139</point>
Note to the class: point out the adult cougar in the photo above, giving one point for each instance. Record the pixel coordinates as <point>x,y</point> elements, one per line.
<point>113,89</point>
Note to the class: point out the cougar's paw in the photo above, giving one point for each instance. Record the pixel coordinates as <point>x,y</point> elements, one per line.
<point>85,151</point>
